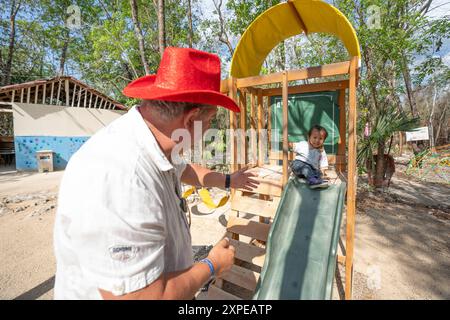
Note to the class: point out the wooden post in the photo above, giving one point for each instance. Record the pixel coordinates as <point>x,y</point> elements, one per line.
<point>342,132</point>
<point>260,129</point>
<point>36,92</point>
<point>79,96</point>
<point>351,191</point>
<point>13,95</point>
<point>43,93</point>
<point>57,95</point>
<point>85,97</point>
<point>66,87</point>
<point>285,127</point>
<point>269,129</point>
<point>21,95</point>
<point>51,92</point>
<point>253,128</point>
<point>243,127</point>
<point>95,103</point>
<point>233,121</point>
<point>90,99</point>
<point>28,94</point>
<point>233,143</point>
<point>74,93</point>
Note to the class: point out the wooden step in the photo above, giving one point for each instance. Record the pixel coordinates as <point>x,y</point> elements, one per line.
<point>242,277</point>
<point>271,187</point>
<point>215,293</point>
<point>249,253</point>
<point>254,206</point>
<point>245,227</point>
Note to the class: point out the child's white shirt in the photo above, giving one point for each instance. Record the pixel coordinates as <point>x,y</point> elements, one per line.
<point>306,153</point>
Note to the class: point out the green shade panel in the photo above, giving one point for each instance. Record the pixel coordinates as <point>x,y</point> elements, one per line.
<point>304,111</point>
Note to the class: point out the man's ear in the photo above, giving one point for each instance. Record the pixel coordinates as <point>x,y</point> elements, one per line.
<point>190,117</point>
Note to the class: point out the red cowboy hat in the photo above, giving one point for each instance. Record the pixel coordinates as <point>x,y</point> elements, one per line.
<point>184,75</point>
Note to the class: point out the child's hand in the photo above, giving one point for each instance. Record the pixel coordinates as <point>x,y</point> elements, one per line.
<point>291,145</point>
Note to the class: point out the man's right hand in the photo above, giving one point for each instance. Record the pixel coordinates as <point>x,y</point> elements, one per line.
<point>222,256</point>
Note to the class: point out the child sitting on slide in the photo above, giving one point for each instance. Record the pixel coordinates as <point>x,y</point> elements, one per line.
<point>311,160</point>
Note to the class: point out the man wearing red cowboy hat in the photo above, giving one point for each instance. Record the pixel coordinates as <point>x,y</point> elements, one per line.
<point>120,229</point>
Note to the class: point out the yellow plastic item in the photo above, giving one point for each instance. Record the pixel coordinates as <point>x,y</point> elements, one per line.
<point>188,192</point>
<point>206,198</point>
<point>281,22</point>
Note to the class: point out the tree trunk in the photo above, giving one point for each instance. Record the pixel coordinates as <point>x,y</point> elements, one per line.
<point>190,32</point>
<point>409,91</point>
<point>139,36</point>
<point>15,6</point>
<point>379,165</point>
<point>161,27</point>
<point>62,60</point>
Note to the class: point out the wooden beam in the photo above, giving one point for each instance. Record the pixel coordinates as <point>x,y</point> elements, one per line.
<point>233,125</point>
<point>327,70</point>
<point>73,94</point>
<point>90,99</point>
<point>43,93</point>
<point>269,126</point>
<point>268,187</point>
<point>285,128</point>
<point>79,97</point>
<point>242,277</point>
<point>95,104</point>
<point>66,87</point>
<point>249,253</point>
<point>36,92</point>
<point>21,95</point>
<point>28,94</point>
<point>224,86</point>
<point>51,92</point>
<point>243,127</point>
<point>307,88</point>
<point>259,80</point>
<point>85,97</point>
<point>342,130</point>
<point>13,95</point>
<point>351,190</point>
<point>249,228</point>
<point>260,116</point>
<point>253,137</point>
<point>263,208</point>
<point>59,90</point>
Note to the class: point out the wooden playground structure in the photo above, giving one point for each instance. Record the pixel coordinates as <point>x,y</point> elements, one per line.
<point>251,91</point>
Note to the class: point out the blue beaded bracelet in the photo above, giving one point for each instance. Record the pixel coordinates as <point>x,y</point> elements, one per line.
<point>210,265</point>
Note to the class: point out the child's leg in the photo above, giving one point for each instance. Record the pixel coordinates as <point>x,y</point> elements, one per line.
<point>302,169</point>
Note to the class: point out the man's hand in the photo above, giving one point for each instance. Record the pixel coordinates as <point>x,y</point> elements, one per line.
<point>242,179</point>
<point>222,256</point>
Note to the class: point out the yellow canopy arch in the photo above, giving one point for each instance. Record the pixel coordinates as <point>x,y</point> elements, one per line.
<point>286,20</point>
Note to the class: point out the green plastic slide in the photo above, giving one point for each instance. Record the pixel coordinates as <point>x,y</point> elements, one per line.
<point>302,245</point>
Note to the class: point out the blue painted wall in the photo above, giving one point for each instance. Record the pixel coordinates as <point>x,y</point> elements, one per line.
<point>63,148</point>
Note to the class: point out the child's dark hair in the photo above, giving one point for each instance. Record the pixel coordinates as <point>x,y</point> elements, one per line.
<point>318,128</point>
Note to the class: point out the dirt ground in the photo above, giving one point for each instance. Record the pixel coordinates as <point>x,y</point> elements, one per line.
<point>402,245</point>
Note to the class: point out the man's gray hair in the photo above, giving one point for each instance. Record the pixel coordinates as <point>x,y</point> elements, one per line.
<point>171,110</point>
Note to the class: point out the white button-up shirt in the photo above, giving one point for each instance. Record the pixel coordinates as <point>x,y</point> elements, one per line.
<point>119,223</point>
